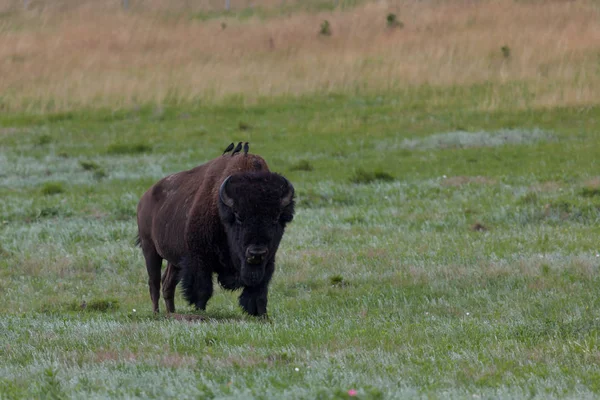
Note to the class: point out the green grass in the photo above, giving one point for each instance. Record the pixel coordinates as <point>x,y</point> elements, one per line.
<point>284,9</point>
<point>383,287</point>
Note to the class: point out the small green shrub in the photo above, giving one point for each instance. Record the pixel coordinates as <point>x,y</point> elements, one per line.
<point>383,176</point>
<point>393,22</point>
<point>529,198</point>
<point>355,220</point>
<point>48,212</point>
<point>128,148</point>
<point>43,140</point>
<point>100,174</point>
<point>337,280</point>
<point>52,188</point>
<point>89,165</point>
<point>362,176</point>
<point>325,28</point>
<point>211,340</point>
<point>590,191</point>
<point>244,126</point>
<point>505,51</point>
<point>52,388</point>
<point>302,165</point>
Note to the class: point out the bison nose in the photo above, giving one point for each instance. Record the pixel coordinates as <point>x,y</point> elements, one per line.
<point>256,254</point>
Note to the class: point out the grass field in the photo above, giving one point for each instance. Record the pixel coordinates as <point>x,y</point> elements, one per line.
<point>447,236</point>
<point>63,55</point>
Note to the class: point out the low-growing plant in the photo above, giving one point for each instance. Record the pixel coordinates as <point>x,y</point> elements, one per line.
<point>211,340</point>
<point>302,165</point>
<point>52,188</point>
<point>325,29</point>
<point>393,21</point>
<point>337,280</point>
<point>244,126</point>
<point>589,191</point>
<point>103,305</point>
<point>43,140</point>
<point>363,176</point>
<point>52,388</point>
<point>529,198</point>
<point>355,219</point>
<point>89,165</point>
<point>48,212</point>
<point>505,51</point>
<point>100,174</point>
<point>128,148</point>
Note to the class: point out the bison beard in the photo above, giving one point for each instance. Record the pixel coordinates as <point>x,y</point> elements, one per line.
<point>225,217</point>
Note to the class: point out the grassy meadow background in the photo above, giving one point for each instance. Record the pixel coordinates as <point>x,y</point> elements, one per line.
<point>447,236</point>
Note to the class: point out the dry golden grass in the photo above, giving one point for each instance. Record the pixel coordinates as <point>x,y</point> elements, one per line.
<point>160,6</point>
<point>60,58</point>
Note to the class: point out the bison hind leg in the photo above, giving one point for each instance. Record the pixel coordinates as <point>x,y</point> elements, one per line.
<point>196,282</point>
<point>170,279</point>
<point>153,266</point>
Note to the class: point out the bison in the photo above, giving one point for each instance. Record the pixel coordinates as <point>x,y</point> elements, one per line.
<point>224,217</point>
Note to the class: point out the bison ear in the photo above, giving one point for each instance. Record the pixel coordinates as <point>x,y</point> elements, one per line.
<point>288,195</point>
<point>228,201</point>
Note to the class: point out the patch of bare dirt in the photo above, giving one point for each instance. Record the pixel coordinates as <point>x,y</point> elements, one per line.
<point>546,187</point>
<point>478,227</point>
<point>8,131</point>
<point>593,183</point>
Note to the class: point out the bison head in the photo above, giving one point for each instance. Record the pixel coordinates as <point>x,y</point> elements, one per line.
<point>254,208</point>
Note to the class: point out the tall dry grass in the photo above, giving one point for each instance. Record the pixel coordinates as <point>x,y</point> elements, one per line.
<point>95,56</point>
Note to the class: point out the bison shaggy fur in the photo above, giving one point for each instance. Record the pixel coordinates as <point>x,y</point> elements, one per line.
<point>224,217</point>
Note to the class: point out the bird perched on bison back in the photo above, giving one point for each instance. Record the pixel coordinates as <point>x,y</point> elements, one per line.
<point>237,149</point>
<point>229,148</point>
<point>225,217</point>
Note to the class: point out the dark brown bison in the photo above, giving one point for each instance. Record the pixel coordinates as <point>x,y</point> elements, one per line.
<point>227,217</point>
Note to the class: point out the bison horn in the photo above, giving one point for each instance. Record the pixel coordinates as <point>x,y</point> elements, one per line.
<point>287,197</point>
<point>228,201</point>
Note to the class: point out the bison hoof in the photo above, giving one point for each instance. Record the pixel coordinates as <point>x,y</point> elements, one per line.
<point>170,305</point>
<point>254,305</point>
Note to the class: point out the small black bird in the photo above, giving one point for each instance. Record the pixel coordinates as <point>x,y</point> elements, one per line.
<point>237,149</point>
<point>246,148</point>
<point>228,149</point>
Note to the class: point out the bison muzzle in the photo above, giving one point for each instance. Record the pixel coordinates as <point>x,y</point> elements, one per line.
<point>225,217</point>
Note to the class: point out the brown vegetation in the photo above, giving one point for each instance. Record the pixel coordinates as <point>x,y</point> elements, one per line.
<point>90,55</point>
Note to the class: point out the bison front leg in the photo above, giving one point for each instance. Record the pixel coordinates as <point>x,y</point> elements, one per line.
<point>170,279</point>
<point>197,283</point>
<point>254,298</point>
